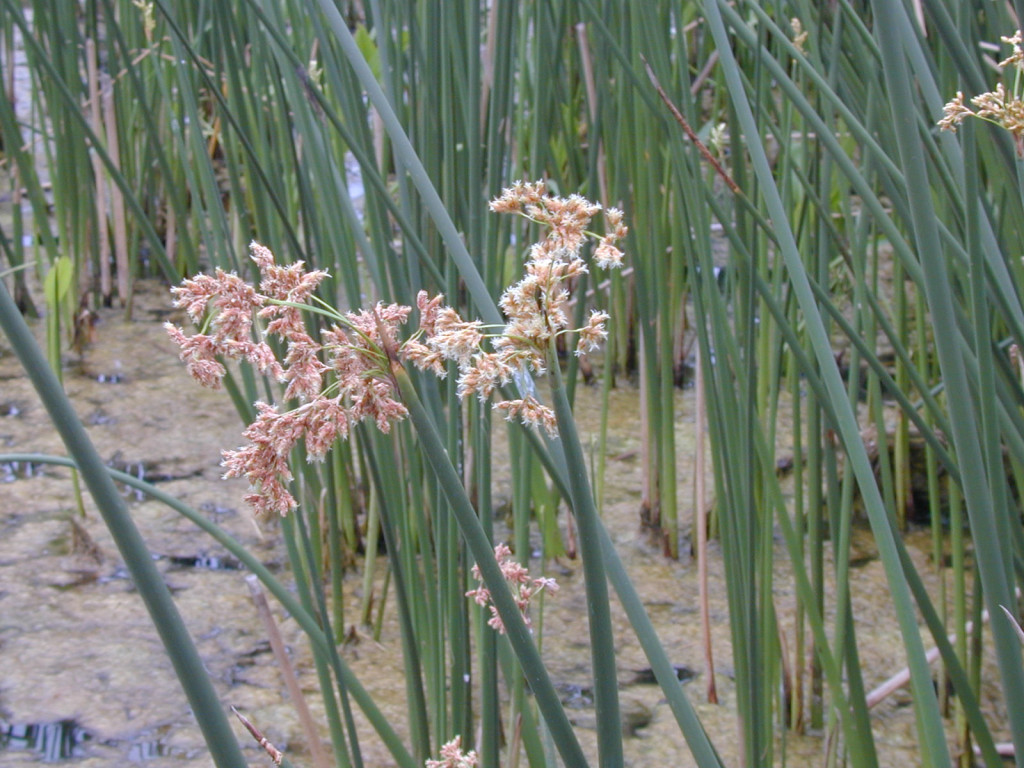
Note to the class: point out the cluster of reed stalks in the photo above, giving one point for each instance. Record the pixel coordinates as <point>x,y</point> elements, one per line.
<point>844,276</point>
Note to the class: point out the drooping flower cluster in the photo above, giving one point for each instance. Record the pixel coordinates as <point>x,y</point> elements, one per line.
<point>453,757</point>
<point>351,352</point>
<point>517,577</point>
<point>234,306</point>
<point>538,306</point>
<point>1000,107</point>
<point>344,377</point>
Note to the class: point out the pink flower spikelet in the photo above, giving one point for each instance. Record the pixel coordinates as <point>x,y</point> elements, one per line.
<point>1000,106</point>
<point>537,308</point>
<point>351,352</point>
<point>517,577</point>
<point>344,377</point>
<point>452,756</point>
<point>233,304</point>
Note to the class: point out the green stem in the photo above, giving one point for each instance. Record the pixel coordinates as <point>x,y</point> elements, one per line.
<point>480,547</point>
<point>863,751</point>
<point>404,150</point>
<point>969,419</point>
<point>602,641</point>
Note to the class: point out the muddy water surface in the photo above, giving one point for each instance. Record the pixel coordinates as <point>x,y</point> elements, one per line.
<point>83,675</point>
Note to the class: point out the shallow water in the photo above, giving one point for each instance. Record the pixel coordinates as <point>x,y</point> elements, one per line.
<point>83,675</point>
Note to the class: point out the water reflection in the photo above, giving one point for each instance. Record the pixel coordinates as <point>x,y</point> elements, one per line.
<point>51,741</point>
<point>19,470</point>
<point>66,739</point>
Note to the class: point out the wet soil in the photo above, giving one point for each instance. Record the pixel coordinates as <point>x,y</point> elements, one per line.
<point>83,675</point>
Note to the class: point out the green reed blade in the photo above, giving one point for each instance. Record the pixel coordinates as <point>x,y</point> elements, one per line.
<point>992,566</point>
<point>480,547</point>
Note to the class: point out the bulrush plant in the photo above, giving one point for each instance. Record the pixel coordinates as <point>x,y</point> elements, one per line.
<point>359,347</point>
<point>519,582</point>
<point>452,756</point>
<point>999,107</point>
<point>354,371</point>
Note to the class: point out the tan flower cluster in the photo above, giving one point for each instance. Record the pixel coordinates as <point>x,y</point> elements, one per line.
<point>523,588</point>
<point>998,107</point>
<point>453,757</point>
<point>537,307</point>
<point>352,356</point>
<point>566,219</point>
<point>148,19</point>
<point>799,34</point>
<point>233,312</point>
<point>1016,58</point>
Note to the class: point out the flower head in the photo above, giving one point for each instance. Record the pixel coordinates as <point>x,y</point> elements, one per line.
<point>954,113</point>
<point>537,308</point>
<point>519,582</point>
<point>351,352</point>
<point>1017,57</point>
<point>799,34</point>
<point>452,756</point>
<point>999,107</point>
<point>342,375</point>
<point>148,20</point>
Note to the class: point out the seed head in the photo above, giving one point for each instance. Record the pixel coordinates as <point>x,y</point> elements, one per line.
<point>453,757</point>
<point>999,107</point>
<point>343,375</point>
<point>239,317</point>
<point>517,577</point>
